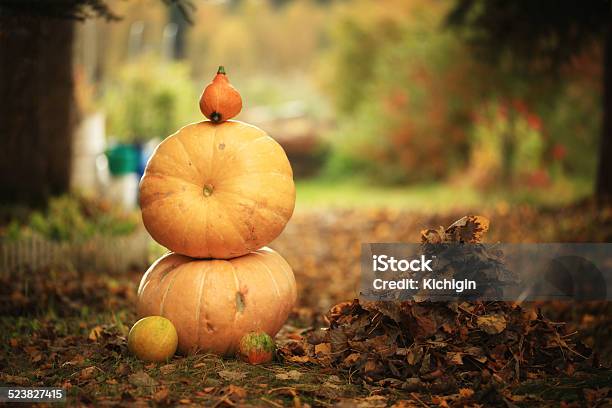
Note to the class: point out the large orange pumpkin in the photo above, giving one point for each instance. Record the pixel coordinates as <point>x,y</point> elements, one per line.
<point>217,190</point>
<point>213,303</point>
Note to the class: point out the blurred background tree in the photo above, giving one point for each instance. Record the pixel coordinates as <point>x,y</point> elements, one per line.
<point>540,38</point>
<point>395,94</point>
<point>403,92</point>
<point>37,94</point>
<point>412,97</point>
<point>147,99</point>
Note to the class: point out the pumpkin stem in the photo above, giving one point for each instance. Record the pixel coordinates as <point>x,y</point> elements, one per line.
<point>215,117</point>
<point>221,70</point>
<point>208,190</point>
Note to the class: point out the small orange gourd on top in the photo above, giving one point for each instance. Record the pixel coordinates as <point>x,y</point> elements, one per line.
<point>220,101</point>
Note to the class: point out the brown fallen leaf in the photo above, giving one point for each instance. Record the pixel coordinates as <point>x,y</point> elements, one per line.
<point>122,369</point>
<point>352,359</point>
<point>432,375</point>
<point>142,379</point>
<point>370,366</point>
<point>403,404</point>
<point>15,379</point>
<point>298,359</point>
<point>492,324</point>
<point>87,373</point>
<point>228,375</point>
<point>167,369</point>
<point>470,228</point>
<point>236,391</point>
<point>596,395</point>
<point>466,392</point>
<point>323,348</point>
<point>294,336</point>
<point>161,396</point>
<point>333,379</point>
<point>95,333</point>
<point>76,361</point>
<point>330,384</point>
<point>373,401</point>
<point>454,357</point>
<point>293,375</point>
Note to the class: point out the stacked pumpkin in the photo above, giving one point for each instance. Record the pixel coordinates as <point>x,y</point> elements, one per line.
<point>215,193</point>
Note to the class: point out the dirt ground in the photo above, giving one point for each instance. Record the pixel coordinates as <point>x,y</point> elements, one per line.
<point>68,328</point>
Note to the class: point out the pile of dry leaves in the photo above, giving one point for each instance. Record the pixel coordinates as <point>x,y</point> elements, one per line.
<point>442,347</point>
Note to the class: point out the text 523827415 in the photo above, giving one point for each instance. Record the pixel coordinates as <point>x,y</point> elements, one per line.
<point>40,394</point>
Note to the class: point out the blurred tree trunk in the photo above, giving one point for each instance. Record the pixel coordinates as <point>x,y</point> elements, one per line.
<point>177,17</point>
<point>36,108</point>
<point>604,169</point>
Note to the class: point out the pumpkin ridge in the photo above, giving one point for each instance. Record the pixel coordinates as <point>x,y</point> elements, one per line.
<point>157,173</point>
<point>227,188</point>
<point>188,154</point>
<point>142,288</point>
<point>208,230</point>
<point>276,211</point>
<point>237,282</point>
<point>163,300</point>
<point>146,276</point>
<point>170,142</point>
<point>276,288</point>
<point>157,200</point>
<point>207,223</point>
<point>199,309</point>
<point>211,164</point>
<point>207,212</point>
<point>166,271</point>
<point>187,225</point>
<point>148,201</point>
<point>233,224</point>
<point>250,173</point>
<point>283,264</point>
<point>249,142</point>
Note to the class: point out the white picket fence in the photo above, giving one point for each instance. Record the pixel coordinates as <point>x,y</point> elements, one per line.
<point>100,253</point>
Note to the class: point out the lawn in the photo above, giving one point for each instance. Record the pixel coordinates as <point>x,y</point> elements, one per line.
<point>429,197</point>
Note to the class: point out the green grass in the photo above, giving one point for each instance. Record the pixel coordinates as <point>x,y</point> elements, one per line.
<point>435,197</point>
